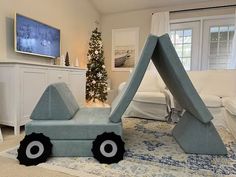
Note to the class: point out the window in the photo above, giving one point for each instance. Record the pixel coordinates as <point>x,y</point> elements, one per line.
<point>217,43</point>
<point>182,41</point>
<point>184,37</point>
<point>204,43</point>
<point>220,46</point>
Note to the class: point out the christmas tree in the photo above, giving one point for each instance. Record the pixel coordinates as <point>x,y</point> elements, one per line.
<point>96,85</point>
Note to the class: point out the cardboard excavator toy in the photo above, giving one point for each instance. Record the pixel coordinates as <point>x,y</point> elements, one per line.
<point>60,128</point>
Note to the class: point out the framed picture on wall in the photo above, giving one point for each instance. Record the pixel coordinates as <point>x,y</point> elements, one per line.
<point>125,45</point>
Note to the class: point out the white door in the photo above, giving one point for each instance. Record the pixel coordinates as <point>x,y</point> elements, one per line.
<point>217,43</point>
<point>185,38</point>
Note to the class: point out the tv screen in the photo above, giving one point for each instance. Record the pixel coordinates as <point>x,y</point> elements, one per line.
<point>36,38</point>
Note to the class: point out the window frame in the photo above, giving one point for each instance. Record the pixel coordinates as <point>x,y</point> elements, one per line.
<point>195,26</point>
<point>202,63</point>
<point>206,36</point>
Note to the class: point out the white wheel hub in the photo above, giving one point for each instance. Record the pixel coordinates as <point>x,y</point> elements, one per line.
<point>30,146</point>
<point>113,151</point>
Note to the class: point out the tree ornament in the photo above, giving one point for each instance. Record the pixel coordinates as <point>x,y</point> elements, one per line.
<point>94,82</point>
<point>99,75</point>
<point>96,52</point>
<point>91,93</point>
<point>103,66</point>
<point>67,59</point>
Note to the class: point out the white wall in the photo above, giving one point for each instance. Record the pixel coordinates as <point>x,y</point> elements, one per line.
<point>75,19</point>
<point>142,19</point>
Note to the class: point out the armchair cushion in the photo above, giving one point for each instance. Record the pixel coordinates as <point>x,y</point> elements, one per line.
<point>150,97</point>
<point>220,82</point>
<point>212,101</point>
<point>198,79</point>
<point>151,82</point>
<point>230,105</point>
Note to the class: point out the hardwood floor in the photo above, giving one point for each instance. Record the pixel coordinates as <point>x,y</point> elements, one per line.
<point>11,168</point>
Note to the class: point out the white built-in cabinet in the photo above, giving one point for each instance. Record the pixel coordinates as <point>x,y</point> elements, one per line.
<point>22,84</point>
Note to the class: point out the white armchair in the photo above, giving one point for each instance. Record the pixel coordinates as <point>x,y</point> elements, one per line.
<point>217,88</point>
<point>214,87</point>
<point>150,100</point>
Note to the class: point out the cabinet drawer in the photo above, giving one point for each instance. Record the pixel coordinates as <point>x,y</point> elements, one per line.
<point>55,76</point>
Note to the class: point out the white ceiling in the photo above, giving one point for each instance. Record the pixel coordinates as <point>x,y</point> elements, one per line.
<point>114,6</point>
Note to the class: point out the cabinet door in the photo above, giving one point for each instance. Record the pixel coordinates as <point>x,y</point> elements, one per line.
<point>33,84</point>
<point>77,83</point>
<point>57,75</point>
<point>7,95</point>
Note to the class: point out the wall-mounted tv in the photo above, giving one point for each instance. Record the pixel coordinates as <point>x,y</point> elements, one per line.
<point>36,38</point>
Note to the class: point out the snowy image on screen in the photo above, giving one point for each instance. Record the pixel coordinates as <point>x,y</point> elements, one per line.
<point>36,38</point>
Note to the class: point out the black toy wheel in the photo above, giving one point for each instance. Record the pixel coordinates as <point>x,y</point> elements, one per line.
<point>108,148</point>
<point>34,149</point>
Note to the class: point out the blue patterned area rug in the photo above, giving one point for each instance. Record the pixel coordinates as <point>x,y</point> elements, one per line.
<point>150,151</point>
